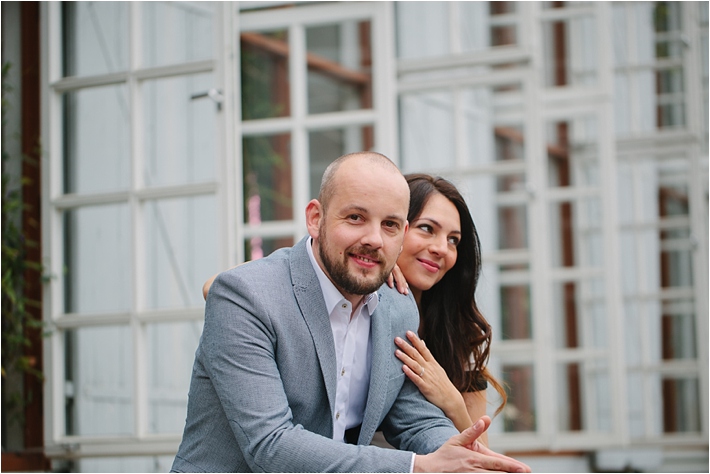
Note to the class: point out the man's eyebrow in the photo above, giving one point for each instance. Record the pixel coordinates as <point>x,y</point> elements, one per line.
<point>357,208</point>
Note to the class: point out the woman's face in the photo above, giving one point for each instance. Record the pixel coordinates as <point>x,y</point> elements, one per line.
<point>429,249</point>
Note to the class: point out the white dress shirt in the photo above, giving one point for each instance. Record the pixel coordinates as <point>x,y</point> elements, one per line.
<point>353,351</point>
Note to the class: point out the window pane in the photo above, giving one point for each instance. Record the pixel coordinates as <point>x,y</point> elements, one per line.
<point>97,145</point>
<point>422,29</point>
<point>515,312</point>
<point>572,153</point>
<point>576,233</point>
<point>95,37</point>
<point>181,250</point>
<point>177,32</point>
<point>681,405</point>
<point>580,314</point>
<point>584,396</point>
<point>327,145</point>
<point>265,80</point>
<point>519,413</point>
<point>179,132</point>
<point>259,247</point>
<point>96,239</point>
<point>427,131</point>
<point>512,227</point>
<point>170,349</point>
<point>677,332</point>
<point>570,48</point>
<point>98,382</point>
<point>339,61</point>
<point>268,191</point>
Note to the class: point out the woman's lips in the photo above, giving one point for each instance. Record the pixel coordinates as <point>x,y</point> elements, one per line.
<point>429,265</point>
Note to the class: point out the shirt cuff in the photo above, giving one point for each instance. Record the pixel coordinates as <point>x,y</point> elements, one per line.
<point>411,466</point>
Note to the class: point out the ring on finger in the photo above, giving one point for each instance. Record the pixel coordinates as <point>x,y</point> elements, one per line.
<point>421,374</point>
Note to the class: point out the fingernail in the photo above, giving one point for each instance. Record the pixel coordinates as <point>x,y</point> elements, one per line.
<point>398,340</point>
<point>478,425</point>
<point>410,334</point>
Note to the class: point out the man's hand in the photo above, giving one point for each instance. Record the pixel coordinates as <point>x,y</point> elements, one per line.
<point>462,453</point>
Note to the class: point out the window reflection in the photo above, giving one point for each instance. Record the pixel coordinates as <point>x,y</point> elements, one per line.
<point>265,77</point>
<point>339,60</point>
<point>268,190</point>
<point>519,413</point>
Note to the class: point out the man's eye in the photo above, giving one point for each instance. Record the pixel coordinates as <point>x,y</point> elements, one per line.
<point>354,217</point>
<point>391,224</point>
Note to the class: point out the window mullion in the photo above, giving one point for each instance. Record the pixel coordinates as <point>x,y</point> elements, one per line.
<point>136,212</point>
<point>298,75</point>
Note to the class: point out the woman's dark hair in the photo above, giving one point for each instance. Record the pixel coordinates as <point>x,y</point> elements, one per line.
<point>455,331</point>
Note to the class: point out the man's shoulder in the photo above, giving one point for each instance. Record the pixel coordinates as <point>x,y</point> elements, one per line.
<point>400,307</point>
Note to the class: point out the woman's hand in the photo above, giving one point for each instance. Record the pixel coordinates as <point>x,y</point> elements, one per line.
<point>431,379</point>
<point>398,277</point>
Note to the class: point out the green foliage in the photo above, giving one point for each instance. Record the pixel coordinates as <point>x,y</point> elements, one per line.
<point>17,318</point>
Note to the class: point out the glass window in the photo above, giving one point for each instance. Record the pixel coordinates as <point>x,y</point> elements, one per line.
<point>97,238</point>
<point>519,413</point>
<point>95,39</point>
<point>570,48</point>
<point>339,62</point>
<point>97,142</point>
<point>98,384</point>
<point>268,190</point>
<point>178,129</point>
<point>264,74</point>
<point>180,254</point>
<point>176,32</point>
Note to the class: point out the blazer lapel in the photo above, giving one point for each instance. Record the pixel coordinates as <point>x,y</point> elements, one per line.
<point>310,301</point>
<point>382,351</point>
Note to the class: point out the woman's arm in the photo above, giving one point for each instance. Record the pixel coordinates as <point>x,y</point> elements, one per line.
<point>431,379</point>
<point>206,286</point>
<point>476,408</point>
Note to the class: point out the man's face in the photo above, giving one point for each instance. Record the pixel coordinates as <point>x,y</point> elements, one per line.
<point>360,234</point>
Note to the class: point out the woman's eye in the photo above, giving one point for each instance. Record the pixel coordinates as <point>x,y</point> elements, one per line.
<point>426,228</point>
<point>454,241</point>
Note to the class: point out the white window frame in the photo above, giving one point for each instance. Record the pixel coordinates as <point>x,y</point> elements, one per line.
<point>54,202</point>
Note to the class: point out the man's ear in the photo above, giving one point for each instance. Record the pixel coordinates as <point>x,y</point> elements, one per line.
<point>314,214</point>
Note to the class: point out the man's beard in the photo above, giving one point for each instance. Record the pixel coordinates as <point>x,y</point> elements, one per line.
<point>338,271</point>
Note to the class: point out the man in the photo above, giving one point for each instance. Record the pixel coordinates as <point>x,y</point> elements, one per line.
<point>296,359</point>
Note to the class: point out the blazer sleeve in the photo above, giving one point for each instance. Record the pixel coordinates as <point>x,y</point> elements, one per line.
<point>238,351</point>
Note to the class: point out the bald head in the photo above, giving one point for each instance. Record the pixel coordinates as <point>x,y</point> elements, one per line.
<point>333,173</point>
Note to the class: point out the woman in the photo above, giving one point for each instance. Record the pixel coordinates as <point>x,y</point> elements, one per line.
<point>441,262</point>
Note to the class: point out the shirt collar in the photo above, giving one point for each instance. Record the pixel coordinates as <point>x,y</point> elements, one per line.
<point>331,295</point>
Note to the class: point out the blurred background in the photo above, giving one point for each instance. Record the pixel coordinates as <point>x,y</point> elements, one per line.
<point>149,145</point>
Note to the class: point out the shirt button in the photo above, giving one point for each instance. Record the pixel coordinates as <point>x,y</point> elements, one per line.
<point>342,372</point>
<point>345,305</point>
<point>337,415</point>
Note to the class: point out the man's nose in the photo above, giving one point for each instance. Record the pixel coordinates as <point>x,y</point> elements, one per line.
<point>373,237</point>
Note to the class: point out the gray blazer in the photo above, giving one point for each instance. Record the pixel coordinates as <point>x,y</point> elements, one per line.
<point>263,383</point>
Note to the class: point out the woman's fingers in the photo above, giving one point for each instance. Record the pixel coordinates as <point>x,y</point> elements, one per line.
<point>419,345</point>
<point>402,286</point>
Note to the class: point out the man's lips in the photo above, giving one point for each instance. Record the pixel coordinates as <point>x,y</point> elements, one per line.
<point>367,261</point>
<point>429,265</point>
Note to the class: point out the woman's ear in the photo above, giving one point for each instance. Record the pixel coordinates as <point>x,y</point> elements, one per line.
<point>314,214</point>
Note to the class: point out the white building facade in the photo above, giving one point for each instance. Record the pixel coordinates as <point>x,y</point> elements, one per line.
<point>182,138</point>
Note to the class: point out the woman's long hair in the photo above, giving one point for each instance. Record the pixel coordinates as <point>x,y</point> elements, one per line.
<point>455,331</point>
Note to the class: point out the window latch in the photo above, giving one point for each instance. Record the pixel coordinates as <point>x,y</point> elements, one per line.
<point>214,94</point>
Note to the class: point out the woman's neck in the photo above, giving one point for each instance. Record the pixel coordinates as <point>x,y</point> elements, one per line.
<point>417,297</point>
